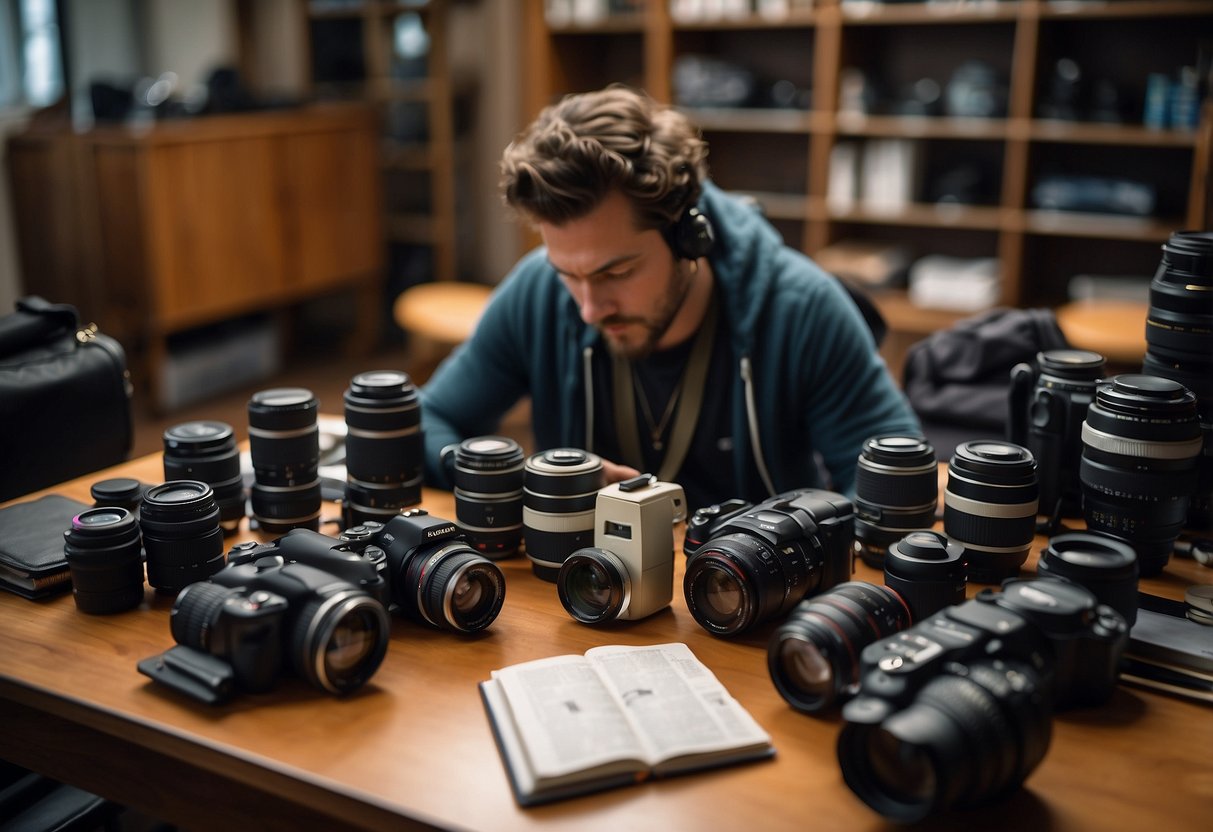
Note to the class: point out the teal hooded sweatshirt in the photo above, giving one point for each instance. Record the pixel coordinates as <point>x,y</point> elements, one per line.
<point>808,384</point>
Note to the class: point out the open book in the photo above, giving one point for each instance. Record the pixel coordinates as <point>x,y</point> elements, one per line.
<point>617,715</point>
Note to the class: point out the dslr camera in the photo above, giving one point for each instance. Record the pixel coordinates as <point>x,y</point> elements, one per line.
<point>434,575</point>
<point>629,571</point>
<point>957,710</point>
<point>758,562</point>
<point>306,602</point>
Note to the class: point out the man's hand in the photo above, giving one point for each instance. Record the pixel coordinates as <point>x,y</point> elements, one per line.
<point>614,472</point>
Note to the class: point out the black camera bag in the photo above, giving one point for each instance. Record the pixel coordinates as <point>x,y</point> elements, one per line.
<point>65,398</point>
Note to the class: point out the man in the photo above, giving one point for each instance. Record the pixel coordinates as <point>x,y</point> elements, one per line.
<point>663,325</point>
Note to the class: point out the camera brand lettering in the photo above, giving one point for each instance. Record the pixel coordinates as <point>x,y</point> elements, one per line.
<point>440,531</point>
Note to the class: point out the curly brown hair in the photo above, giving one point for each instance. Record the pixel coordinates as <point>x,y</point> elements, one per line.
<point>578,150</point>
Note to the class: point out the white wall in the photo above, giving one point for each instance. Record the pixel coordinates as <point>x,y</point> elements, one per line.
<point>189,37</point>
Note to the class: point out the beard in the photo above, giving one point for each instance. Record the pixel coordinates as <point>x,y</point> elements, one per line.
<point>652,327</point>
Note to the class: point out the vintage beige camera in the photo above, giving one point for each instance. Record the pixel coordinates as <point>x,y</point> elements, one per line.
<point>629,571</point>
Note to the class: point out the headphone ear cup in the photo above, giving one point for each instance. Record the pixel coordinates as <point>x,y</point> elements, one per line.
<point>693,235</point>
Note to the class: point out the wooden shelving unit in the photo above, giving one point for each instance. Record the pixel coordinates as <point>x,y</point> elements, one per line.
<point>353,55</point>
<point>782,156</point>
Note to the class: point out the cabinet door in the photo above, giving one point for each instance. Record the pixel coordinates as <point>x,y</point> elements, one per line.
<point>333,210</point>
<point>216,228</point>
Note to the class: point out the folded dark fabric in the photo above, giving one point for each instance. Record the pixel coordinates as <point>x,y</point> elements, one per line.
<point>961,376</point>
<point>32,563</point>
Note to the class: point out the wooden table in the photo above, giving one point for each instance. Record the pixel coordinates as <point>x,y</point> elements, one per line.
<point>413,748</point>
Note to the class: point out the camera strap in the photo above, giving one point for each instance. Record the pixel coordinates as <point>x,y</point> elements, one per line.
<point>689,393</point>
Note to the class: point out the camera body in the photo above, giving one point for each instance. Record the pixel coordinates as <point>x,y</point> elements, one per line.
<point>436,577</point>
<point>629,572</point>
<point>760,562</point>
<point>300,602</point>
<point>1048,403</point>
<point>707,522</point>
<point>353,560</point>
<point>958,709</point>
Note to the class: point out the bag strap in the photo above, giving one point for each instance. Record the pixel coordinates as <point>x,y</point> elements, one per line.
<point>35,322</point>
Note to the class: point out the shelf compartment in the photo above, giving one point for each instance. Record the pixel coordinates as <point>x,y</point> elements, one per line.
<point>906,317</point>
<point>975,217</point>
<point>777,206</point>
<point>1099,226</point>
<point>876,14</point>
<point>611,24</point>
<point>1132,135</point>
<point>921,127</point>
<point>794,18</point>
<point>410,228</point>
<point>756,120</point>
<point>1079,9</point>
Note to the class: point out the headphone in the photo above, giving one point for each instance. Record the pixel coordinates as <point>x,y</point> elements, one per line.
<point>692,236</point>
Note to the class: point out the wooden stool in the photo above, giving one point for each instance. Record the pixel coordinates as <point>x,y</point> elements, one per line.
<point>1115,329</point>
<point>438,317</point>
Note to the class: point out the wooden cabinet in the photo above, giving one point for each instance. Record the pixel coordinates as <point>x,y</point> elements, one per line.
<point>153,231</point>
<point>393,55</point>
<point>810,58</point>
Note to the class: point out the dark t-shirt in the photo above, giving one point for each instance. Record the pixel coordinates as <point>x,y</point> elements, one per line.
<point>707,472</point>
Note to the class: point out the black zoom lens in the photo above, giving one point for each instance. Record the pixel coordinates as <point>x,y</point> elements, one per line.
<point>1104,565</point>
<point>813,657</point>
<point>284,441</point>
<point>896,490</point>
<point>206,451</point>
<point>488,494</point>
<point>928,571</point>
<point>383,445</point>
<point>1179,339</point>
<point>560,489</point>
<point>1141,441</point>
<point>181,534</point>
<point>990,507</point>
<point>451,587</point>
<point>103,552</point>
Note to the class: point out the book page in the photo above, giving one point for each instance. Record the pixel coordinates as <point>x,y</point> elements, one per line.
<point>678,706</point>
<point>568,719</point>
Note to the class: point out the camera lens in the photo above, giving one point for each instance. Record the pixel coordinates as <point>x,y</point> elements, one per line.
<point>965,739</point>
<point>1138,470</point>
<point>103,552</point>
<point>896,489</point>
<point>1179,339</point>
<point>338,642</point>
<point>813,657</point>
<point>206,451</point>
<point>383,445</point>
<point>1064,390</point>
<point>990,507</point>
<point>928,571</point>
<point>451,587</point>
<point>737,580</point>
<point>367,502</point>
<point>120,492</point>
<point>1104,565</point>
<point>284,441</point>
<point>180,525</point>
<point>335,641</point>
<point>278,509</point>
<point>560,488</point>
<point>593,585</point>
<point>488,494</point>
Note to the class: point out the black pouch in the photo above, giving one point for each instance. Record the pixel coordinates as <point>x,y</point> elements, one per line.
<point>65,398</point>
<point>32,562</point>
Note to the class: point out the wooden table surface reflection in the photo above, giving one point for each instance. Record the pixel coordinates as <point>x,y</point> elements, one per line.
<point>413,748</point>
